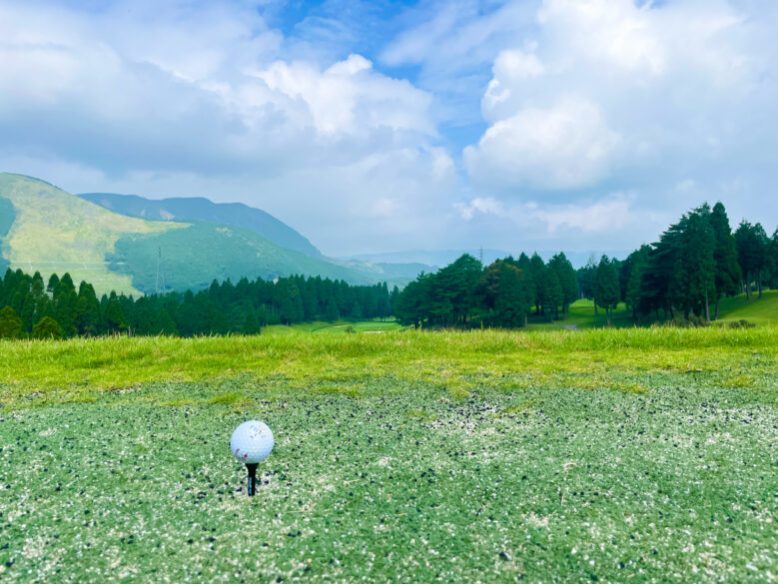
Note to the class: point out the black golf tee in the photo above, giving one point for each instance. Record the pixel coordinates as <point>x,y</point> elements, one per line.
<point>252,479</point>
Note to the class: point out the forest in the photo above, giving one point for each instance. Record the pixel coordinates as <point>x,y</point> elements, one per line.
<point>680,278</point>
<point>57,309</point>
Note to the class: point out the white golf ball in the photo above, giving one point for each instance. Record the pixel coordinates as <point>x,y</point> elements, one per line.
<point>252,442</point>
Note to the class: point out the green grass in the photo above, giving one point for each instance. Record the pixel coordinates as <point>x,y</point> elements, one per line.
<point>613,455</point>
<point>757,310</point>
<point>582,316</point>
<point>364,326</point>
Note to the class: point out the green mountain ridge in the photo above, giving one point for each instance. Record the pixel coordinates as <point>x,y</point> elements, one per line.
<point>52,231</point>
<point>202,210</point>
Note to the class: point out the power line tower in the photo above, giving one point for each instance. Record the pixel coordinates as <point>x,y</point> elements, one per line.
<point>160,274</point>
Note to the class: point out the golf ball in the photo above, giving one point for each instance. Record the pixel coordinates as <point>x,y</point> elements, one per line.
<point>252,442</point>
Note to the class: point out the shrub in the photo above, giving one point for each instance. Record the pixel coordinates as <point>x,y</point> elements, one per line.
<point>47,328</point>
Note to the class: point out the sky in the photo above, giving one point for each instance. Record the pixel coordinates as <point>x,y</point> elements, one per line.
<point>380,126</point>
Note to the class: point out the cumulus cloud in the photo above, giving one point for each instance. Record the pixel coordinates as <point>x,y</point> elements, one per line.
<point>616,94</point>
<point>567,145</point>
<point>176,98</point>
<point>554,105</point>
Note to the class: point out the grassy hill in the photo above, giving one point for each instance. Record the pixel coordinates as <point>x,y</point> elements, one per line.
<point>201,210</point>
<point>7,218</point>
<point>46,229</point>
<point>54,231</point>
<point>758,311</point>
<point>194,256</point>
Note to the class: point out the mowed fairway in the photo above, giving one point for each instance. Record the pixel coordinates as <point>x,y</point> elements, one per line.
<point>611,455</point>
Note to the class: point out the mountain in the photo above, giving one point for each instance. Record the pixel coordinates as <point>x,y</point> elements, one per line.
<point>197,209</point>
<point>433,259</point>
<point>7,218</point>
<point>46,229</point>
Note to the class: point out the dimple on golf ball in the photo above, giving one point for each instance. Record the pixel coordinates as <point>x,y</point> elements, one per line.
<point>252,442</point>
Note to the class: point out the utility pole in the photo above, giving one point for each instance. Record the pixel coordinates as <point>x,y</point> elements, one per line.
<point>159,265</point>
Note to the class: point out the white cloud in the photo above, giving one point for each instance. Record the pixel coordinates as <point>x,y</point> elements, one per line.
<point>602,216</point>
<point>562,102</point>
<point>345,98</point>
<point>619,94</point>
<point>479,205</point>
<point>568,145</point>
<point>177,99</point>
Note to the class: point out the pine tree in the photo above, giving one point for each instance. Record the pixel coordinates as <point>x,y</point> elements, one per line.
<point>727,269</point>
<point>115,321</point>
<point>567,279</point>
<point>607,287</point>
<point>87,310</point>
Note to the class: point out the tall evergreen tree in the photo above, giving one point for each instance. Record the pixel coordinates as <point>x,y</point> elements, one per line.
<point>727,268</point>
<point>752,248</point>
<point>567,279</point>
<point>114,318</point>
<point>607,287</point>
<point>506,295</point>
<point>637,261</point>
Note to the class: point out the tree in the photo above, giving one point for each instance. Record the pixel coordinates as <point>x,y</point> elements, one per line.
<point>87,310</point>
<point>553,293</point>
<point>607,287</point>
<point>115,320</point>
<point>452,291</point>
<point>567,279</point>
<point>637,260</point>
<point>727,270</point>
<point>505,294</point>
<point>65,299</point>
<point>537,271</point>
<point>698,266</point>
<point>10,324</point>
<point>47,328</point>
<point>752,243</point>
<point>773,260</point>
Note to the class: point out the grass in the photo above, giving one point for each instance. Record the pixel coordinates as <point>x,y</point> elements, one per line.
<point>622,454</point>
<point>44,372</point>
<point>78,234</point>
<point>757,310</point>
<point>363,326</point>
<point>761,311</point>
<point>582,316</point>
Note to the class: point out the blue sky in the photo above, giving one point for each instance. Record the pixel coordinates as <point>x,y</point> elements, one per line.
<point>380,126</point>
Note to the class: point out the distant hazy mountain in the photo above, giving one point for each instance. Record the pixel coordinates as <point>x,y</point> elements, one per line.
<point>439,258</point>
<point>197,209</point>
<point>46,229</point>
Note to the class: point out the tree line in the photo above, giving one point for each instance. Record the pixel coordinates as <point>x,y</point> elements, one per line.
<point>32,308</point>
<point>503,294</point>
<point>696,262</point>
